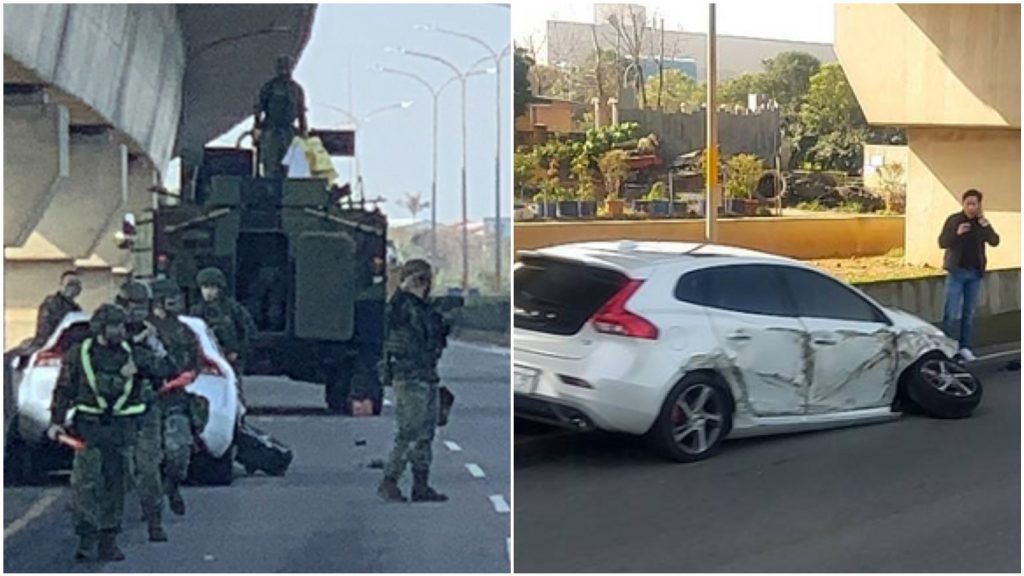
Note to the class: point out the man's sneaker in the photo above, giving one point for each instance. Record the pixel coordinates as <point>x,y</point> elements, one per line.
<point>966,355</point>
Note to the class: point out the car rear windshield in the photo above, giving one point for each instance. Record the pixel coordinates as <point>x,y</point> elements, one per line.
<point>558,297</point>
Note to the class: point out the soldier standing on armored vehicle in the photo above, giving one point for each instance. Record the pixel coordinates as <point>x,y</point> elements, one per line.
<point>230,321</point>
<point>415,341</point>
<point>282,103</point>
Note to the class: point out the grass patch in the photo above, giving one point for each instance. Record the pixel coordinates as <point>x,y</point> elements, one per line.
<point>875,268</point>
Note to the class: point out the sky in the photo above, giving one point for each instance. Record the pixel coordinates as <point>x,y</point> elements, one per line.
<point>395,147</point>
<point>803,21</point>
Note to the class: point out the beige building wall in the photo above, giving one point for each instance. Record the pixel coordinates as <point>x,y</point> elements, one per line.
<point>946,162</point>
<point>950,73</point>
<point>878,155</point>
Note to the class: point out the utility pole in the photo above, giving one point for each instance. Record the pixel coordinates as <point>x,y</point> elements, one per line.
<point>711,156</point>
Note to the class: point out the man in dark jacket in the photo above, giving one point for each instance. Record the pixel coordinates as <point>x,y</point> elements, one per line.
<point>963,237</point>
<point>56,306</point>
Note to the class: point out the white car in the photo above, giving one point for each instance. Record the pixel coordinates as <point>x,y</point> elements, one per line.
<point>35,376</point>
<point>693,343</point>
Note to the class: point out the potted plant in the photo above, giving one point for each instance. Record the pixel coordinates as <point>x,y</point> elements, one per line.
<point>657,200</point>
<point>743,171</point>
<point>584,185</point>
<point>613,165</point>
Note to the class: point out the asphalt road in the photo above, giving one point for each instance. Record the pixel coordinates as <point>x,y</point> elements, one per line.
<point>324,515</point>
<point>914,495</point>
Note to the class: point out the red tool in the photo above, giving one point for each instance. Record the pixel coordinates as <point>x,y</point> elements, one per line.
<point>76,444</point>
<point>183,380</point>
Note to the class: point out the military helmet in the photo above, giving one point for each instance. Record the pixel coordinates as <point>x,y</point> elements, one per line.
<point>415,267</point>
<point>107,315</point>
<point>133,291</point>
<point>164,288</point>
<point>211,277</point>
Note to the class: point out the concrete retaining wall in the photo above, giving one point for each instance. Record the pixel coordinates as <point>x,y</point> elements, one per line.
<point>804,238</point>
<point>680,133</point>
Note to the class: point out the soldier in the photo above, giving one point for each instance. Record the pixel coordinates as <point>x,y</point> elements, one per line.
<point>56,306</point>
<point>230,321</point>
<point>136,299</point>
<point>98,379</point>
<point>414,343</point>
<point>182,411</point>
<point>282,102</point>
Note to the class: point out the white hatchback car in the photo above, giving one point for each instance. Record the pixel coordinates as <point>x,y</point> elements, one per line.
<point>694,343</point>
<point>35,376</point>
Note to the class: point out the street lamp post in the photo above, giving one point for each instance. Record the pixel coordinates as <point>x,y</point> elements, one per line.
<point>435,93</point>
<point>462,76</point>
<point>357,122</point>
<point>495,57</point>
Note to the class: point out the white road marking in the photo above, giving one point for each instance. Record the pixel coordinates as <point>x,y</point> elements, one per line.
<point>508,548</point>
<point>475,471</point>
<point>452,446</point>
<point>486,348</point>
<point>500,505</point>
<point>989,357</point>
<point>35,511</point>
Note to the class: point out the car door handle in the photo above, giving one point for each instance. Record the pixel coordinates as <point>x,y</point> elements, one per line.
<point>825,341</point>
<point>738,336</point>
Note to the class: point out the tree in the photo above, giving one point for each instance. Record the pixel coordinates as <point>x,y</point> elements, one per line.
<point>831,127</point>
<point>676,88</point>
<point>596,77</point>
<point>614,166</point>
<point>413,202</point>
<point>787,78</point>
<point>523,93</point>
<point>630,30</point>
<point>734,91</point>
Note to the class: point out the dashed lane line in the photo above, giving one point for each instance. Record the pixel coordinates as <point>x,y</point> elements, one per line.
<point>453,446</point>
<point>35,511</point>
<point>475,471</point>
<point>500,505</point>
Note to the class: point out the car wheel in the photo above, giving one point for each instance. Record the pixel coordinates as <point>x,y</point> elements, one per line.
<point>694,421</point>
<point>206,470</point>
<point>943,388</point>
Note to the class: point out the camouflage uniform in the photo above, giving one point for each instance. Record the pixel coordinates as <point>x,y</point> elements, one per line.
<point>281,103</point>
<point>230,321</point>
<point>107,406</point>
<point>412,349</point>
<point>53,309</point>
<point>182,411</point>
<point>149,455</point>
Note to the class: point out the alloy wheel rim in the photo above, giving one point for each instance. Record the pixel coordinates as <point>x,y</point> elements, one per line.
<point>697,419</point>
<point>949,378</point>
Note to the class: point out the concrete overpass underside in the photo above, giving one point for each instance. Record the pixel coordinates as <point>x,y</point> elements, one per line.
<point>97,100</point>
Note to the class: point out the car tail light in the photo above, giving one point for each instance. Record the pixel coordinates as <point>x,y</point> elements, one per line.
<point>49,357</point>
<point>613,318</point>
<point>210,367</point>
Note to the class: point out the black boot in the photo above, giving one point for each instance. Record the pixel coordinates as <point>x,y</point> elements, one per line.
<point>108,550</point>
<point>155,527</point>
<point>421,490</point>
<point>86,548</point>
<point>176,502</point>
<point>389,490</point>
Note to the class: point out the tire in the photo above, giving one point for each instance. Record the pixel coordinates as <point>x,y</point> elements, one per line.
<point>943,388</point>
<point>338,386</point>
<point>206,470</point>
<point>24,465</point>
<point>715,419</point>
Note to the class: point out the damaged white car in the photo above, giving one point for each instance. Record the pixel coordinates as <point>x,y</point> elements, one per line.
<point>29,456</point>
<point>691,344</point>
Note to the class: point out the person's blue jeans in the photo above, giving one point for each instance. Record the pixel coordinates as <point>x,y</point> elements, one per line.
<point>962,287</point>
